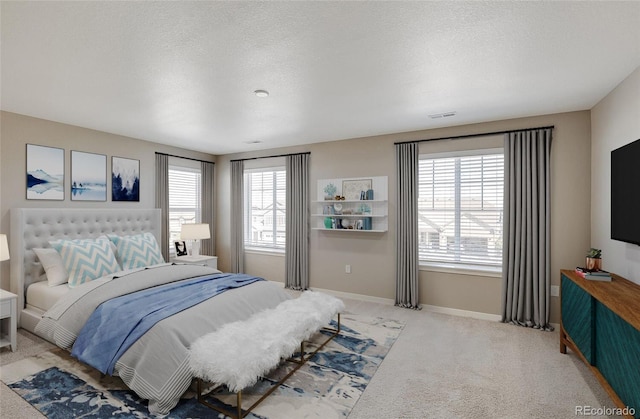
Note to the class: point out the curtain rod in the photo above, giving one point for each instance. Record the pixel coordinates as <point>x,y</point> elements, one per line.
<point>186,158</point>
<point>270,157</point>
<point>485,134</point>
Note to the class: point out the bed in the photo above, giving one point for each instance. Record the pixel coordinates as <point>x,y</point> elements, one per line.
<point>156,365</point>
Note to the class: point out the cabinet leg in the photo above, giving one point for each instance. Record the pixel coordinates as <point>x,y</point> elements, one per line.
<point>563,340</point>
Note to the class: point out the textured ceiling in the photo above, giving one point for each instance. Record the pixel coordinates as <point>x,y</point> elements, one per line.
<point>184,73</point>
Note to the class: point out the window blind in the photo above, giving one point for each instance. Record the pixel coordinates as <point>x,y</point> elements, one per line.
<point>460,209</point>
<point>184,199</point>
<point>265,208</point>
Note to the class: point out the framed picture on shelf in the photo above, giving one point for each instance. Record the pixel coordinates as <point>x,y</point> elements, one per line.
<point>353,189</point>
<point>45,172</point>
<point>88,176</point>
<point>125,179</point>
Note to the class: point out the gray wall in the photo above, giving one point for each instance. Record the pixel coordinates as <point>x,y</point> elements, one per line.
<point>18,130</point>
<point>615,121</point>
<point>372,257</point>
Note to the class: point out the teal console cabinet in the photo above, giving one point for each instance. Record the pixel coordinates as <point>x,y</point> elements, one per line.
<point>601,324</point>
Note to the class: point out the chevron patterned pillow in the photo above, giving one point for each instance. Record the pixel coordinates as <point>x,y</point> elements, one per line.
<point>86,259</point>
<point>137,251</point>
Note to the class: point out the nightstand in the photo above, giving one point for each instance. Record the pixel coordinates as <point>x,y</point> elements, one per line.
<point>8,317</point>
<point>198,260</point>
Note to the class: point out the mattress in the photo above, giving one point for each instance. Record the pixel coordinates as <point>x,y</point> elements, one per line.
<point>41,296</point>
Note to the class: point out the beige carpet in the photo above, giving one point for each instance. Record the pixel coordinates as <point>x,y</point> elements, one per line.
<point>440,367</point>
<point>453,367</point>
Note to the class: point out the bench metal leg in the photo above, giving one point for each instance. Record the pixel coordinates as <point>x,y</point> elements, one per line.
<point>237,415</point>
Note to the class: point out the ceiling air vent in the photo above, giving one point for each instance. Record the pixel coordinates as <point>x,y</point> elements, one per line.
<point>442,115</point>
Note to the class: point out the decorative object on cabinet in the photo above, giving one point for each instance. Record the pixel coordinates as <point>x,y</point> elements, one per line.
<point>88,176</point>
<point>352,189</point>
<point>125,179</point>
<point>354,215</point>
<point>45,172</point>
<point>594,260</point>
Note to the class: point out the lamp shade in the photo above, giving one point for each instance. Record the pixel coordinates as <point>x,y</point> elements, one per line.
<point>4,247</point>
<point>195,232</point>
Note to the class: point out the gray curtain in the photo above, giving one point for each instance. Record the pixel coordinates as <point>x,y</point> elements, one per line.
<point>526,269</point>
<point>237,216</point>
<point>407,226</point>
<point>162,200</point>
<point>297,222</point>
<point>208,247</point>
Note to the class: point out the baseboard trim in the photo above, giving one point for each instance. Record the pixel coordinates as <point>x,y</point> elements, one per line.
<point>434,309</point>
<point>361,297</point>
<point>427,307</point>
<point>462,313</point>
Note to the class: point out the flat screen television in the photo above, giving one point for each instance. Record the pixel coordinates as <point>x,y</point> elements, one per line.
<point>625,193</point>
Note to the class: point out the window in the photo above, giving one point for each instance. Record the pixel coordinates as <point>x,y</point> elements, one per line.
<point>265,208</point>
<point>460,207</point>
<point>184,199</point>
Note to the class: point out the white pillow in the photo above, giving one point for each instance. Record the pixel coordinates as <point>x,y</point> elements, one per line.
<point>53,266</point>
<point>86,259</point>
<point>137,251</point>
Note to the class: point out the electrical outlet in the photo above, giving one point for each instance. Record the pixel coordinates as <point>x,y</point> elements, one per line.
<point>347,269</point>
<point>555,291</point>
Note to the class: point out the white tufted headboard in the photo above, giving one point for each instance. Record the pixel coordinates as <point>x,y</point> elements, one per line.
<point>34,227</point>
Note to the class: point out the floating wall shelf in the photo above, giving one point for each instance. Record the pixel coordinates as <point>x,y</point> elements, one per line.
<point>352,214</point>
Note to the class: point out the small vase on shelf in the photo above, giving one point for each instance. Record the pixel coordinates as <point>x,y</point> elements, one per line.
<point>328,222</point>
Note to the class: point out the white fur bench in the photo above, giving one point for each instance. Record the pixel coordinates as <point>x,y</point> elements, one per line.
<point>239,353</point>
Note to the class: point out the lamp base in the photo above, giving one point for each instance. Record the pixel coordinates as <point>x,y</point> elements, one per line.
<point>195,248</point>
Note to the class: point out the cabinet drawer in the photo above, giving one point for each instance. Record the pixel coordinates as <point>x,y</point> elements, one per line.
<point>578,309</point>
<point>5,309</point>
<point>618,355</point>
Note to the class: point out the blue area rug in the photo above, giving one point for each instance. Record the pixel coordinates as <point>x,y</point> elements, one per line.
<point>328,386</point>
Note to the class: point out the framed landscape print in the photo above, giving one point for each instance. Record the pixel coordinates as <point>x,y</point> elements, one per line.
<point>125,179</point>
<point>45,172</point>
<point>88,176</point>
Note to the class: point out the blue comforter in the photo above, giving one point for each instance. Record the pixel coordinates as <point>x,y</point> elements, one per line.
<point>116,324</point>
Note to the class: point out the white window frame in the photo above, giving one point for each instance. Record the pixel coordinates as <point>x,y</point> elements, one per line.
<point>249,244</point>
<point>188,166</point>
<point>477,269</point>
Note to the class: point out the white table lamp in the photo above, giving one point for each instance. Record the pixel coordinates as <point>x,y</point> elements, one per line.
<point>195,232</point>
<point>4,247</point>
